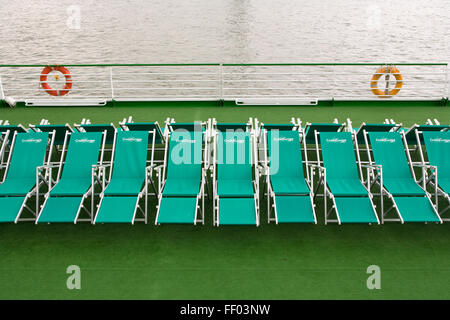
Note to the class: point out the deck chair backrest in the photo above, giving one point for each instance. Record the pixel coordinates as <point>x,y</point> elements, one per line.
<point>438,151</point>
<point>285,153</point>
<point>28,153</point>
<point>389,152</point>
<point>60,131</point>
<point>234,156</point>
<point>130,155</point>
<point>82,153</point>
<point>110,130</point>
<point>185,155</point>
<point>339,155</point>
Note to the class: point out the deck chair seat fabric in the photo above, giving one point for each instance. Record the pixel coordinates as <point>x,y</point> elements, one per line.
<point>289,186</point>
<point>82,153</point>
<point>444,184</point>
<point>346,187</point>
<point>235,188</point>
<point>117,210</point>
<point>60,209</point>
<point>340,163</point>
<point>10,207</point>
<point>71,187</point>
<point>416,209</point>
<point>235,179</point>
<point>403,187</point>
<point>389,152</point>
<point>13,186</point>
<point>119,203</point>
<point>353,204</point>
<point>237,211</point>
<point>294,209</point>
<point>28,153</point>
<point>182,188</point>
<point>286,163</point>
<point>355,210</point>
<point>146,126</point>
<point>123,186</point>
<point>372,127</point>
<point>177,210</point>
<point>184,175</point>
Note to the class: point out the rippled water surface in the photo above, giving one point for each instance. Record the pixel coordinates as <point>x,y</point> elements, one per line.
<point>144,31</point>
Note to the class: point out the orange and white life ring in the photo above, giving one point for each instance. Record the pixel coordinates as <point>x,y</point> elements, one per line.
<point>50,90</point>
<point>386,93</point>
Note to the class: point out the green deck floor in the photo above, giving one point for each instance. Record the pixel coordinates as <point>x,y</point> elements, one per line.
<point>294,261</point>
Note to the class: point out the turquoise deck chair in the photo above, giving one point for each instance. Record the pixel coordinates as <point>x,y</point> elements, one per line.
<point>287,187</point>
<point>410,201</point>
<point>184,184</point>
<point>437,146</point>
<point>351,200</point>
<point>236,195</point>
<point>12,128</point>
<point>64,201</point>
<point>119,201</point>
<point>28,152</point>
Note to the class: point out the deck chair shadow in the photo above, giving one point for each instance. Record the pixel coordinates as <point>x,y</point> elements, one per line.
<point>128,180</point>
<point>341,177</point>
<point>289,198</point>
<point>74,182</point>
<point>181,196</point>
<point>28,151</point>
<point>397,181</point>
<point>235,179</point>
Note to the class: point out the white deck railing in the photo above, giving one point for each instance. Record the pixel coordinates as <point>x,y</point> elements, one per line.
<point>243,83</point>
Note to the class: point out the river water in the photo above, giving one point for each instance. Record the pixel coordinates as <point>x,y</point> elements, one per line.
<point>161,31</point>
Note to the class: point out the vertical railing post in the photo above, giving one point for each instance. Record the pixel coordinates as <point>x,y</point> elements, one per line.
<point>447,78</point>
<point>221,81</point>
<point>2,93</point>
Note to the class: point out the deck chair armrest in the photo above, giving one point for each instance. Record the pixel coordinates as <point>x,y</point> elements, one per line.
<point>428,173</point>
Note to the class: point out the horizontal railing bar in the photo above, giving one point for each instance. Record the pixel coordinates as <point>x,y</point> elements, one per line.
<point>331,73</point>
<point>225,64</point>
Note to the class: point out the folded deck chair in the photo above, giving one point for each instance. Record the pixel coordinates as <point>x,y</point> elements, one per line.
<point>119,202</point>
<point>437,146</point>
<point>291,196</point>
<point>28,151</point>
<point>110,129</point>
<point>184,186</point>
<point>64,201</point>
<point>397,181</point>
<point>236,192</point>
<point>352,202</point>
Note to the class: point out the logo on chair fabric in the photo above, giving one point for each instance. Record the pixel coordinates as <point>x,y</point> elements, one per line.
<point>31,140</point>
<point>84,141</point>
<point>132,139</point>
<point>439,140</point>
<point>234,141</point>
<point>336,140</point>
<point>385,140</point>
<point>284,139</point>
